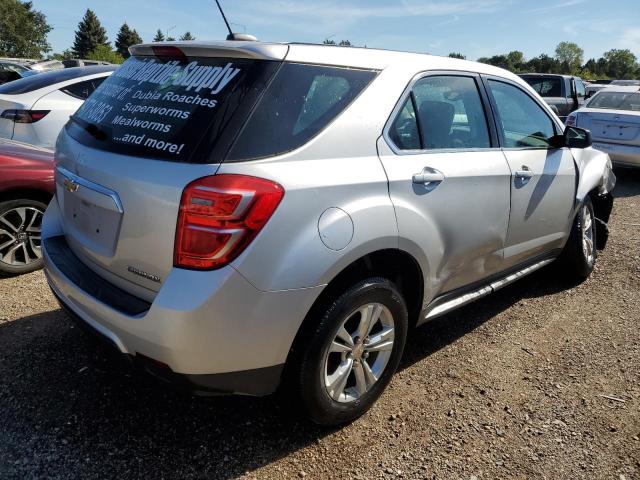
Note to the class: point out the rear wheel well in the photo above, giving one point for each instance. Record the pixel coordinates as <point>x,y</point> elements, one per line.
<point>395,265</point>
<point>29,193</point>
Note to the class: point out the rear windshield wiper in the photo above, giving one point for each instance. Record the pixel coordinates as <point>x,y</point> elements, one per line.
<point>91,128</point>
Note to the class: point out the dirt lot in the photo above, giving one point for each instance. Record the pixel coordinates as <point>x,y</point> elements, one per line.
<point>510,387</point>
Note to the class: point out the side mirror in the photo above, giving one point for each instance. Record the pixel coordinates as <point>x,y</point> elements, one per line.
<point>555,109</point>
<point>575,137</point>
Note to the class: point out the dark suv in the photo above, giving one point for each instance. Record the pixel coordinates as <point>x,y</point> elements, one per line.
<point>565,93</point>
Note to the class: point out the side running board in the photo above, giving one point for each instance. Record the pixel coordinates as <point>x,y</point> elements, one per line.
<point>457,302</point>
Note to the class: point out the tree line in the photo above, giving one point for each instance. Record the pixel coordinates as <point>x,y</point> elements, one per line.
<point>569,60</point>
<point>23,34</point>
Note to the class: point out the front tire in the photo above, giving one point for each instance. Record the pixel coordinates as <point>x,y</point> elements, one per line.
<point>345,361</point>
<point>580,254</point>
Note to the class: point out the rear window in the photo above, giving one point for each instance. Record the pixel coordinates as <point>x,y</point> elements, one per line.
<point>616,101</point>
<point>546,87</point>
<point>46,79</point>
<point>299,103</point>
<point>171,108</point>
<point>203,110</point>
<point>82,90</point>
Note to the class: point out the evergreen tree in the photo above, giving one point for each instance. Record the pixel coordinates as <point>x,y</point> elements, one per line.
<point>126,37</point>
<point>90,34</point>
<point>171,39</point>
<point>187,36</point>
<point>159,36</point>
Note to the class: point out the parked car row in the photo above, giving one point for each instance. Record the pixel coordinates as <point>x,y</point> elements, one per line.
<point>14,69</point>
<point>611,111</point>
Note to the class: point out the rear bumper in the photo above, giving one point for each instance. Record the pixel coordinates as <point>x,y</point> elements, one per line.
<point>620,154</point>
<point>206,331</point>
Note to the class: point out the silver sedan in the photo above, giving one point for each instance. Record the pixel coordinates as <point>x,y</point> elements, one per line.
<point>613,116</point>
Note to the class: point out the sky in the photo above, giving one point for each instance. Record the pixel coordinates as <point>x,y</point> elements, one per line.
<point>476,28</point>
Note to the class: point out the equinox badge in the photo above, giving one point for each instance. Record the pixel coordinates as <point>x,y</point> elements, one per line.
<point>148,276</point>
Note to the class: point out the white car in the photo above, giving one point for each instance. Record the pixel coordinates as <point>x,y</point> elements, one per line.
<point>613,117</point>
<point>33,110</point>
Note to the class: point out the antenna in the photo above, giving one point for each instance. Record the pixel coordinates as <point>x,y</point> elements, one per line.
<point>224,17</point>
<point>235,36</point>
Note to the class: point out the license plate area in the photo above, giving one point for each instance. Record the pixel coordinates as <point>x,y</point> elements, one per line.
<point>615,130</point>
<point>92,213</point>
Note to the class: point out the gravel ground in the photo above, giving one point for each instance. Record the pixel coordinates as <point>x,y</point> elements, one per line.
<point>512,386</point>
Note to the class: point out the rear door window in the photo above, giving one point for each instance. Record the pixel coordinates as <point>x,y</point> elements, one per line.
<point>82,90</point>
<point>299,103</point>
<point>179,109</point>
<point>450,115</point>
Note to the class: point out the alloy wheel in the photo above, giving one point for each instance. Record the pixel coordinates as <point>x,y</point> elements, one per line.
<point>20,237</point>
<point>588,234</point>
<point>359,353</point>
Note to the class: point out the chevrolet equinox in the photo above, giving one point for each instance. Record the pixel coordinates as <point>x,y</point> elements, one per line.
<point>242,217</point>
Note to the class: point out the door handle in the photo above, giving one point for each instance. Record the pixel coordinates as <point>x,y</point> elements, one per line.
<point>525,173</point>
<point>427,176</point>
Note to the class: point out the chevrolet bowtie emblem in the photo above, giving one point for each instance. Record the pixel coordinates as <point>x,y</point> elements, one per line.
<point>70,185</point>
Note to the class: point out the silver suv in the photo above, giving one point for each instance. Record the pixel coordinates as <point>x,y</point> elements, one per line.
<point>239,217</point>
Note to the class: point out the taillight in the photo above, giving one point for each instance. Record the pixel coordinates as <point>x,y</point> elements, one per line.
<point>24,116</point>
<point>219,216</point>
<point>571,120</point>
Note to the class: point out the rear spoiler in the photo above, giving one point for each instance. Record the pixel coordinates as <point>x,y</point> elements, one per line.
<point>231,49</point>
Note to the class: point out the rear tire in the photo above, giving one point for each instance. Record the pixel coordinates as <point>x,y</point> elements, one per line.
<point>580,254</point>
<point>20,236</point>
<point>344,361</point>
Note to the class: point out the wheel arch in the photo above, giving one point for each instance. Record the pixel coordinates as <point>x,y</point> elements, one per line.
<point>28,193</point>
<point>397,265</point>
<point>392,263</point>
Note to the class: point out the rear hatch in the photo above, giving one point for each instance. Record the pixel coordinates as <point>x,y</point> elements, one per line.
<point>165,118</point>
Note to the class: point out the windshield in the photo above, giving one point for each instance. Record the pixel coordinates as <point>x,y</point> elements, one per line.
<point>167,108</point>
<point>13,67</point>
<point>545,86</point>
<point>616,101</point>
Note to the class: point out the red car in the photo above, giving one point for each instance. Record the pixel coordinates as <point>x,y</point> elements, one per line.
<point>26,187</point>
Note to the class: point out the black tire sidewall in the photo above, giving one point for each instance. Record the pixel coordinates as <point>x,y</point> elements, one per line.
<point>8,270</point>
<point>317,403</point>
<point>573,256</point>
